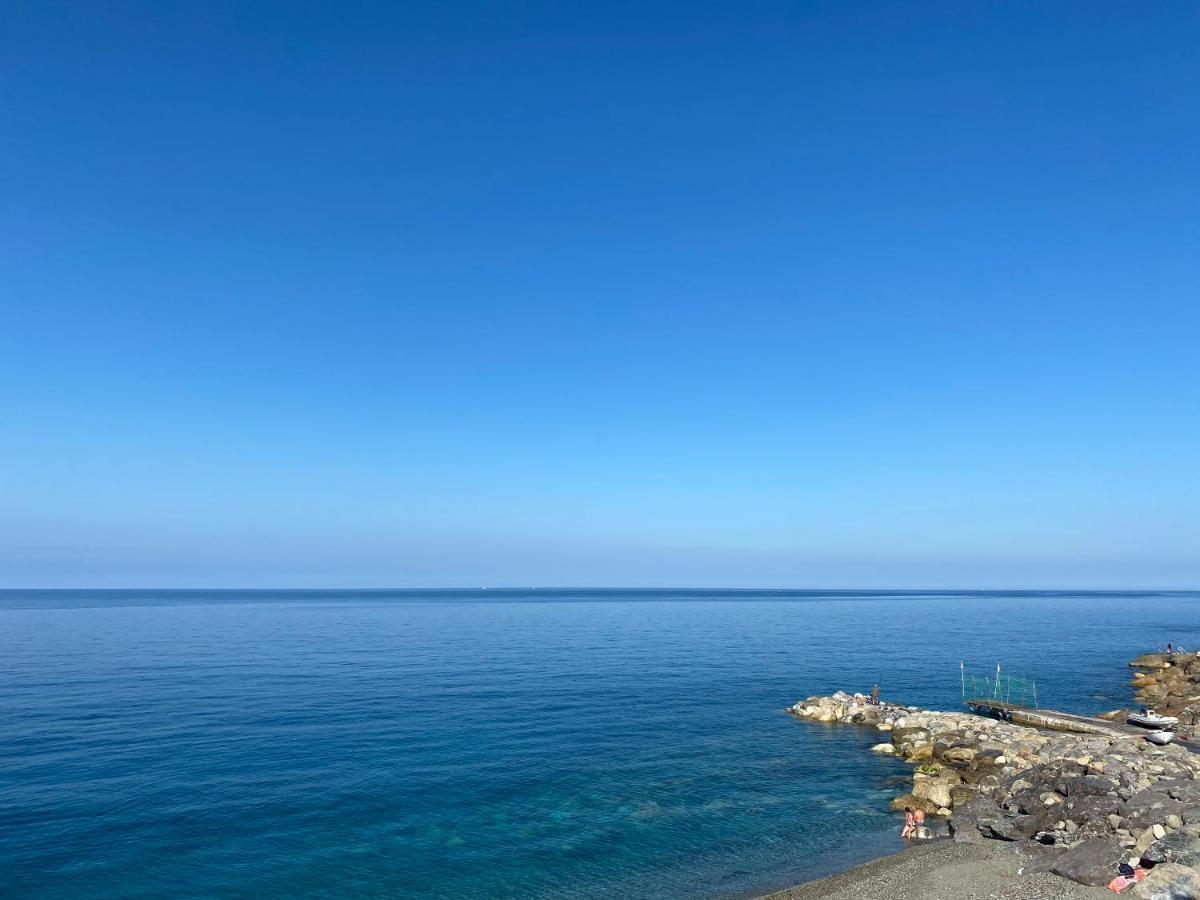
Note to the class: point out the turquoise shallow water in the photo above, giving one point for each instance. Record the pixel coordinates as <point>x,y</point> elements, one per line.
<point>491,744</point>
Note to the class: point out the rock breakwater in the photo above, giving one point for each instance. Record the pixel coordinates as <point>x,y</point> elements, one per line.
<point>1170,684</point>
<point>1090,801</point>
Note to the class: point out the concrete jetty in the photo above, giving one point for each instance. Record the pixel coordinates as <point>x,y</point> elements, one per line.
<point>1053,720</point>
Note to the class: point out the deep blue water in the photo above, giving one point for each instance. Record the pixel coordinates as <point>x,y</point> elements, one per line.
<point>490,744</point>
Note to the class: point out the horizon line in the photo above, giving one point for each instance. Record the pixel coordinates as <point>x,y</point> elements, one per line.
<point>444,588</point>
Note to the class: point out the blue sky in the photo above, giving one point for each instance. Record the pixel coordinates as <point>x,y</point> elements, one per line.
<point>781,293</point>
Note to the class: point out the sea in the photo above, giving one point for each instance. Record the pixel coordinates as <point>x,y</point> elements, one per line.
<point>494,743</point>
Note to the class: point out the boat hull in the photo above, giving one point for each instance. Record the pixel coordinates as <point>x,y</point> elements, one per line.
<point>1149,720</point>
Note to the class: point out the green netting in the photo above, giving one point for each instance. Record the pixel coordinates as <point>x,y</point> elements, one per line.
<point>999,689</point>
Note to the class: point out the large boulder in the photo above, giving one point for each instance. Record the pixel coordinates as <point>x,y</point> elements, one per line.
<point>1092,862</point>
<point>1084,786</point>
<point>907,734</point>
<point>1091,812</point>
<point>1026,801</point>
<point>1150,661</point>
<point>1169,881</point>
<point>912,742</point>
<point>965,793</point>
<point>1186,790</point>
<point>960,755</point>
<point>1151,807</point>
<point>1015,828</point>
<point>935,788</point>
<point>1178,847</point>
<point>909,801</point>
<point>981,818</point>
<point>965,824</point>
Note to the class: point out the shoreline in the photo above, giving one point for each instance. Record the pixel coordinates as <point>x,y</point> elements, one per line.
<point>942,869</point>
<point>1038,803</point>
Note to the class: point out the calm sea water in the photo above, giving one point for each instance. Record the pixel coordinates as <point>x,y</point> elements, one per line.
<point>490,744</point>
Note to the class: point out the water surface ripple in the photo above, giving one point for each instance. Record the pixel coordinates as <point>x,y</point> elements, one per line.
<point>450,744</point>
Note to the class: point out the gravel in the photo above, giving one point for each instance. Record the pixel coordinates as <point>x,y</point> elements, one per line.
<point>943,870</point>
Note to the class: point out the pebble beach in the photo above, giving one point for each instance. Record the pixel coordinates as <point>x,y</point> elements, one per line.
<point>944,870</point>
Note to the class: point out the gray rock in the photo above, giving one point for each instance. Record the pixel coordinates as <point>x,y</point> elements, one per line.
<point>1150,807</point>
<point>1015,828</point>
<point>1084,785</point>
<point>969,820</point>
<point>1026,801</point>
<point>1184,789</point>
<point>960,755</point>
<point>1179,847</point>
<point>962,793</point>
<point>1169,881</point>
<point>1091,806</point>
<point>909,735</point>
<point>1092,862</point>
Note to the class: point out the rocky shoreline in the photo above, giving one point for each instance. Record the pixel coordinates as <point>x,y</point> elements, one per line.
<point>1170,683</point>
<point>1083,803</point>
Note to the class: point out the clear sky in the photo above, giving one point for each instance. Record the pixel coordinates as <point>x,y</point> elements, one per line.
<point>800,294</point>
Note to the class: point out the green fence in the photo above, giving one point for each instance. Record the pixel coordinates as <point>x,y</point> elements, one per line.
<point>999,689</point>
